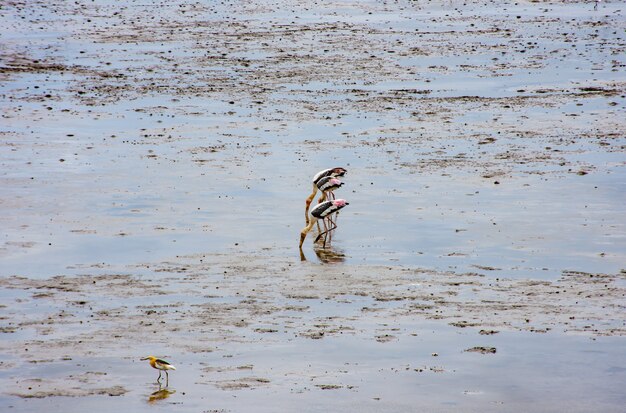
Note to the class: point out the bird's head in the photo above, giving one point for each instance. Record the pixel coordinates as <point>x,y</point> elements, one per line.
<point>148,358</point>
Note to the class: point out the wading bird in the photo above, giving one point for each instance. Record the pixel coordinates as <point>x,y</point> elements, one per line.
<point>327,186</point>
<point>160,365</point>
<point>321,211</point>
<point>333,173</point>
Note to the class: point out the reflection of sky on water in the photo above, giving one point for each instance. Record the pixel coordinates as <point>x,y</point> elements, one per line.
<point>522,225</point>
<point>114,204</point>
<point>138,184</point>
<point>548,368</point>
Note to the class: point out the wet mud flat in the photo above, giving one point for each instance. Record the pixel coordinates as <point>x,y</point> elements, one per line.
<point>289,335</point>
<point>155,157</point>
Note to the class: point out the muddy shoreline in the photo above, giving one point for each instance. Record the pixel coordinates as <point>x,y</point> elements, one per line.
<point>188,308</point>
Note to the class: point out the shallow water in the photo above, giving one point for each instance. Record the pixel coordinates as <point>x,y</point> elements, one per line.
<point>169,148</point>
<point>349,372</point>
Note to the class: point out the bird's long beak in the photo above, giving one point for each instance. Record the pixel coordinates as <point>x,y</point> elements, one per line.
<point>145,358</point>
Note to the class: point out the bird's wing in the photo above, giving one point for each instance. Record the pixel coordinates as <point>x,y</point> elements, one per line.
<point>161,361</point>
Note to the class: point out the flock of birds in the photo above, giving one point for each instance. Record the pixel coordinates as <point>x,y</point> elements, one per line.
<point>326,182</point>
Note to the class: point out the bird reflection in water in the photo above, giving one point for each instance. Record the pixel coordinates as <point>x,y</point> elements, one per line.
<point>161,394</point>
<point>327,255</point>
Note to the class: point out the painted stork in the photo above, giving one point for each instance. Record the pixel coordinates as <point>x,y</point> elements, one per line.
<point>327,186</point>
<point>333,173</point>
<point>321,211</point>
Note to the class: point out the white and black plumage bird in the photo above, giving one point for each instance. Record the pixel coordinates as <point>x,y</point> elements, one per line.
<point>332,173</point>
<point>321,211</point>
<point>327,186</point>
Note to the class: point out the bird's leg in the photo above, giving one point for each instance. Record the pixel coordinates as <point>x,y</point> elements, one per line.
<point>330,219</point>
<point>332,194</point>
<point>329,235</point>
<point>324,221</point>
<point>167,379</point>
<point>334,226</point>
<point>328,223</point>
<point>308,203</point>
<point>324,233</point>
<point>331,226</point>
<point>330,232</point>
<point>319,236</point>
<point>159,378</point>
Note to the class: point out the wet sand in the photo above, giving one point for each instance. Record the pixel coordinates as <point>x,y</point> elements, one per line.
<point>155,158</point>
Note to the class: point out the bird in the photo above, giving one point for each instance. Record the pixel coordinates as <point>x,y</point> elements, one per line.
<point>160,365</point>
<point>327,186</point>
<point>321,211</point>
<point>332,172</point>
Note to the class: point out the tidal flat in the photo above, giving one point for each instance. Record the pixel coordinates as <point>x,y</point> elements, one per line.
<point>155,157</point>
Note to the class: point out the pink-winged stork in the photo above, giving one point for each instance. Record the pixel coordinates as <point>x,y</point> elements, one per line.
<point>333,173</point>
<point>327,186</point>
<point>321,211</point>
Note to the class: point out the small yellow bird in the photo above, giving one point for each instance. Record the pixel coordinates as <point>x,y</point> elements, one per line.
<point>160,365</point>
